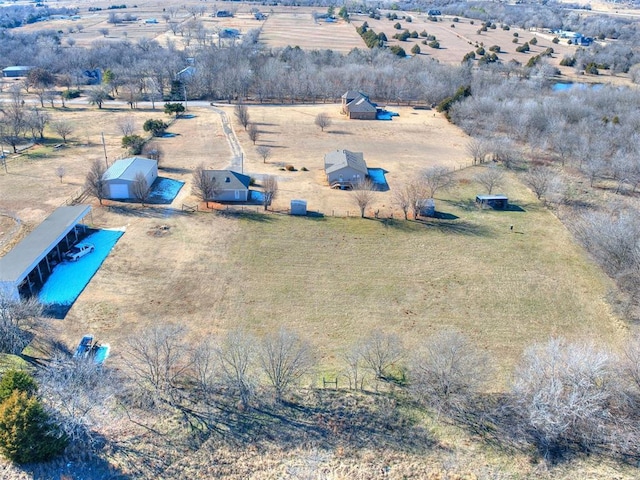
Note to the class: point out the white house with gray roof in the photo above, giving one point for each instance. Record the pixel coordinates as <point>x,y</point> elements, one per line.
<point>121,176</point>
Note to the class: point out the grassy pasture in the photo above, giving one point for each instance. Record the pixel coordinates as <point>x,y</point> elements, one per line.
<point>335,280</point>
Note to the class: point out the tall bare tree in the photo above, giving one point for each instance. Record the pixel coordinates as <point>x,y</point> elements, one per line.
<point>253,132</point>
<point>203,185</point>
<point>539,180</point>
<point>14,119</point>
<point>269,190</point>
<point>284,358</point>
<point>159,357</point>
<point>237,353</point>
<point>264,152</point>
<point>18,318</point>
<point>363,195</point>
<point>63,128</point>
<point>141,188</point>
<point>126,125</point>
<point>562,393</point>
<point>241,113</point>
<point>490,177</point>
<point>477,148</point>
<point>383,353</point>
<point>323,120</point>
<point>437,178</point>
<point>95,183</point>
<point>60,172</point>
<point>448,369</point>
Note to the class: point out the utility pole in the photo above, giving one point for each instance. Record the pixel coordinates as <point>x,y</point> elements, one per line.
<point>104,147</point>
<point>185,97</point>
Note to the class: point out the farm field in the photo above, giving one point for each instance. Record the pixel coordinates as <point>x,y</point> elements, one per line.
<point>331,278</point>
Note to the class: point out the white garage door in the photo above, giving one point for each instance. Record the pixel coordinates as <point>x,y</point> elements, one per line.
<point>118,190</point>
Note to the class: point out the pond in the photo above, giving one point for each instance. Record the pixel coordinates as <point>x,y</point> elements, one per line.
<point>564,87</point>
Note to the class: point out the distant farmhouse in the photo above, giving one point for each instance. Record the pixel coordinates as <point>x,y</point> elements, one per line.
<point>224,13</point>
<point>356,105</point>
<point>230,186</point>
<point>345,169</point>
<point>121,176</point>
<point>15,72</point>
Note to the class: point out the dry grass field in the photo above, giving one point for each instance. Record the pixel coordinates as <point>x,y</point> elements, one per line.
<point>297,27</point>
<point>332,278</point>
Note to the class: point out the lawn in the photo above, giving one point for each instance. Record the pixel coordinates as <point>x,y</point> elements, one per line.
<point>337,279</point>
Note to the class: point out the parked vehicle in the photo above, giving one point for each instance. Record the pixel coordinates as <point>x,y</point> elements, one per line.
<point>78,251</point>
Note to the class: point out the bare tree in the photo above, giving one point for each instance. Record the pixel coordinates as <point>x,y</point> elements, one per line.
<point>253,132</point>
<point>355,367</point>
<point>284,358</point>
<point>242,115</point>
<point>477,148</point>
<point>402,201</point>
<point>562,393</point>
<point>103,31</point>
<point>126,125</point>
<point>141,188</point>
<point>153,151</point>
<point>14,119</point>
<point>237,354</point>
<point>78,392</point>
<point>363,195</point>
<point>383,353</point>
<point>437,178</point>
<point>269,189</point>
<point>60,171</point>
<point>203,185</point>
<point>97,96</point>
<point>416,193</point>
<point>323,120</point>
<point>448,369</point>
<point>37,120</point>
<point>159,357</point>
<point>18,318</point>
<point>631,362</point>
<point>63,128</point>
<point>539,179</point>
<point>264,152</point>
<point>490,177</point>
<point>94,181</point>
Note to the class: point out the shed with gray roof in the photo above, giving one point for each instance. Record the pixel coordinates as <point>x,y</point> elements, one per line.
<point>121,176</point>
<point>30,262</point>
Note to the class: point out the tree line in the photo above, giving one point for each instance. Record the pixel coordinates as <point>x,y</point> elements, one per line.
<point>563,398</point>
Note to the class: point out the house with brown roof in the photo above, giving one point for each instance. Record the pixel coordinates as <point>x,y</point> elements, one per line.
<point>356,105</point>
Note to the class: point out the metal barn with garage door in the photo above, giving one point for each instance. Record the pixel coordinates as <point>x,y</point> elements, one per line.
<point>121,176</point>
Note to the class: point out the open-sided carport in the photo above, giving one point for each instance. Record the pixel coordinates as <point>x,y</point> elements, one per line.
<point>31,261</point>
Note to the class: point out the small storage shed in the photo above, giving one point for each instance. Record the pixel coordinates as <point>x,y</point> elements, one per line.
<point>298,207</point>
<point>121,176</point>
<point>428,207</point>
<point>497,202</point>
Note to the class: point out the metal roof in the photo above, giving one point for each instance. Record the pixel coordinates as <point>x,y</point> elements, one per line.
<point>23,258</point>
<point>229,180</point>
<point>17,68</point>
<point>128,168</point>
<point>334,161</point>
<point>492,197</point>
